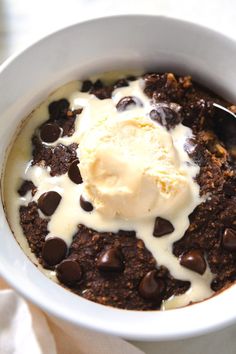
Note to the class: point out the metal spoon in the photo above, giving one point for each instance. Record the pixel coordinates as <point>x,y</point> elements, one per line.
<point>225,125</point>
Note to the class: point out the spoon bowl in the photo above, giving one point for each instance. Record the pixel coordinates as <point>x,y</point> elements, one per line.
<point>225,125</point>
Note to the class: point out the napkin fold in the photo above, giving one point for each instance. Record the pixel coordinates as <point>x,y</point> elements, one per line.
<point>24,329</point>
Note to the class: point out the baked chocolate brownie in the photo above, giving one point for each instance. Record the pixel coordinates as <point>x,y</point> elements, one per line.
<point>117,269</point>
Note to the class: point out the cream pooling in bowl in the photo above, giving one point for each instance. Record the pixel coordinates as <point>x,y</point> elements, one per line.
<point>178,189</point>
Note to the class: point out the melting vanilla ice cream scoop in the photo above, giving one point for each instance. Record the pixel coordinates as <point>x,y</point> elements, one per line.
<point>131,168</point>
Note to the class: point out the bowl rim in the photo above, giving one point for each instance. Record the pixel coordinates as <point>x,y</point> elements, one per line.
<point>224,316</point>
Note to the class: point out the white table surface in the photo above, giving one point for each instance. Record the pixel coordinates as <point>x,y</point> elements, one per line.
<point>24,21</point>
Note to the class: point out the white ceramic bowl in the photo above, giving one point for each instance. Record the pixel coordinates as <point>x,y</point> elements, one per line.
<point>106,44</point>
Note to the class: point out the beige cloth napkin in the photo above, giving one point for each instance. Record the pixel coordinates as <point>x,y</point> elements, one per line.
<point>24,329</point>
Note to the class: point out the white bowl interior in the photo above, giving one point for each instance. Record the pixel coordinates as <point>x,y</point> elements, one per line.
<point>135,42</point>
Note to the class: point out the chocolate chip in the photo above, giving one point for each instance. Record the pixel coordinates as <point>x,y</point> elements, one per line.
<point>151,287</point>
<point>87,206</point>
<point>58,108</point>
<point>48,202</point>
<point>100,90</point>
<point>69,272</point>
<point>165,116</point>
<point>74,172</point>
<point>50,132</point>
<point>194,260</point>
<point>229,239</point>
<point>54,250</point>
<point>110,260</point>
<point>86,86</point>
<point>25,187</point>
<point>162,227</point>
<point>102,93</point>
<point>128,102</point>
<point>215,284</point>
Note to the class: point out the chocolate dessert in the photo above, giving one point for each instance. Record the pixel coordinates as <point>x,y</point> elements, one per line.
<point>133,205</point>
